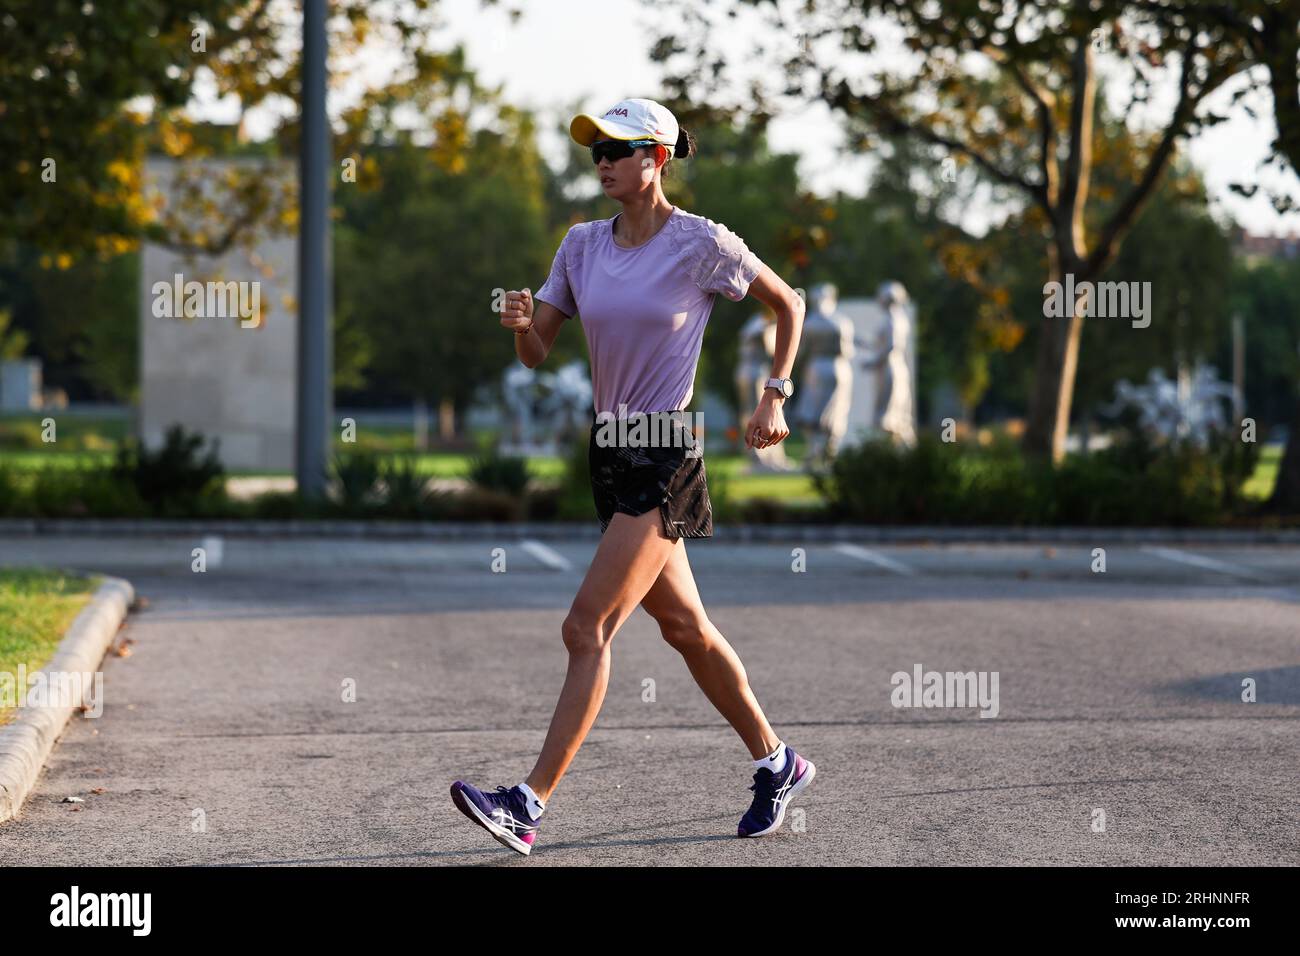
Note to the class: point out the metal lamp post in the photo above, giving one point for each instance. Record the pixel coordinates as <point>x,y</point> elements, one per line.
<point>315,359</point>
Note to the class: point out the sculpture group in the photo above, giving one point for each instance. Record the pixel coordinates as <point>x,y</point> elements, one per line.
<point>1193,407</point>
<point>857,379</point>
<point>547,410</point>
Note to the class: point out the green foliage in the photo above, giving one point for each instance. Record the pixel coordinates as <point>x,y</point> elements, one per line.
<point>1266,294</point>
<point>88,90</point>
<point>92,350</point>
<point>1134,482</point>
<point>13,341</point>
<point>277,506</point>
<point>405,490</point>
<point>177,478</point>
<point>575,501</point>
<point>24,432</point>
<point>1173,482</point>
<point>356,478</point>
<point>1187,259</point>
<point>102,344</point>
<point>11,493</point>
<point>36,609</point>
<point>367,485</point>
<point>879,482</point>
<point>73,75</point>
<point>66,72</point>
<point>58,491</point>
<point>725,508</point>
<point>93,492</point>
<point>21,434</point>
<point>485,504</point>
<point>419,255</point>
<point>496,472</point>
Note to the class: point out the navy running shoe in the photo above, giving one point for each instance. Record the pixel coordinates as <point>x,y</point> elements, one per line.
<point>503,813</point>
<point>772,794</point>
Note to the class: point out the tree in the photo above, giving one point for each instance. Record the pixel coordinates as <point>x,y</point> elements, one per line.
<point>1271,31</point>
<point>13,342</point>
<point>67,72</point>
<point>1009,88</point>
<point>87,88</point>
<point>95,89</point>
<point>1266,294</point>
<point>422,247</point>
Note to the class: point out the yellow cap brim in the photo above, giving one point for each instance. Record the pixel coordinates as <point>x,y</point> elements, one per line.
<point>585,129</point>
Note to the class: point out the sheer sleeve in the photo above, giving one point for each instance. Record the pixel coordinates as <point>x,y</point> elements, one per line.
<point>724,264</point>
<point>556,290</point>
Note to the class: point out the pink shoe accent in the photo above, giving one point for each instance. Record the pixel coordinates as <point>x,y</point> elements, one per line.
<point>528,837</point>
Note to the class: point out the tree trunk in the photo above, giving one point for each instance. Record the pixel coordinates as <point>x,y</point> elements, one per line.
<point>447,420</point>
<point>420,424</point>
<point>1054,370</point>
<point>1286,493</point>
<point>1058,345</point>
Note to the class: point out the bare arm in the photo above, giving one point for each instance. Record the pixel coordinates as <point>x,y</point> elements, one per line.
<point>768,420</point>
<point>541,319</point>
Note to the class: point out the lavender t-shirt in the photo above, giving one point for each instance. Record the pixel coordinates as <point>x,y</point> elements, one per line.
<point>644,309</point>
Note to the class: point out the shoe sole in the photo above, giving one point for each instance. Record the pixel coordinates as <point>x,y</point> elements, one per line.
<point>797,788</point>
<point>500,834</point>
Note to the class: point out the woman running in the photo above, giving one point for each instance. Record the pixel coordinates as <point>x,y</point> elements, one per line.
<point>644,284</point>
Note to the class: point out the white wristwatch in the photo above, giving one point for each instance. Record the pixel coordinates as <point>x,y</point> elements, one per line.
<point>783,385</point>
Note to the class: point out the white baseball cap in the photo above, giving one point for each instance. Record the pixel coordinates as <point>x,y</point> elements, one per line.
<point>628,120</point>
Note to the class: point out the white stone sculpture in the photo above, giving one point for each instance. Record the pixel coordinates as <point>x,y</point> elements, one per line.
<point>825,389</point>
<point>519,389</point>
<point>546,409</point>
<point>753,369</point>
<point>888,359</point>
<point>566,407</point>
<point>1193,407</point>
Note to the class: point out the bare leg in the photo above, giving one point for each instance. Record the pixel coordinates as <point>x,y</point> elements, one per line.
<point>674,602</point>
<point>631,554</point>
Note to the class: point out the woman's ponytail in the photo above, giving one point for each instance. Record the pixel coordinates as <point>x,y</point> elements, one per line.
<point>685,147</point>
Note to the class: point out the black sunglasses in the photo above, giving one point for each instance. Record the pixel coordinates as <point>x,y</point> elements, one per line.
<point>615,149</point>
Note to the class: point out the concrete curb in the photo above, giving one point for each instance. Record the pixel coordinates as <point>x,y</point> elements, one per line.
<point>26,741</point>
<point>584,530</point>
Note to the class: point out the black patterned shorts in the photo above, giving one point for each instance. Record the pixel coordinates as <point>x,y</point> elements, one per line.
<point>633,474</point>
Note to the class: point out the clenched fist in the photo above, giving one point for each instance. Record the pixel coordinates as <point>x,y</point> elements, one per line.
<point>517,312</point>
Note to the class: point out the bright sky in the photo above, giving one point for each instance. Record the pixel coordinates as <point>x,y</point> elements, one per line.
<point>596,51</point>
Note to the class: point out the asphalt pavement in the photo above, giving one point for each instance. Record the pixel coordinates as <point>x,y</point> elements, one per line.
<point>1121,735</point>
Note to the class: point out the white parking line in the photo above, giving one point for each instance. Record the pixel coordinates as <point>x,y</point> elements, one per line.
<point>1200,561</point>
<point>212,547</point>
<point>874,557</point>
<point>547,555</point>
